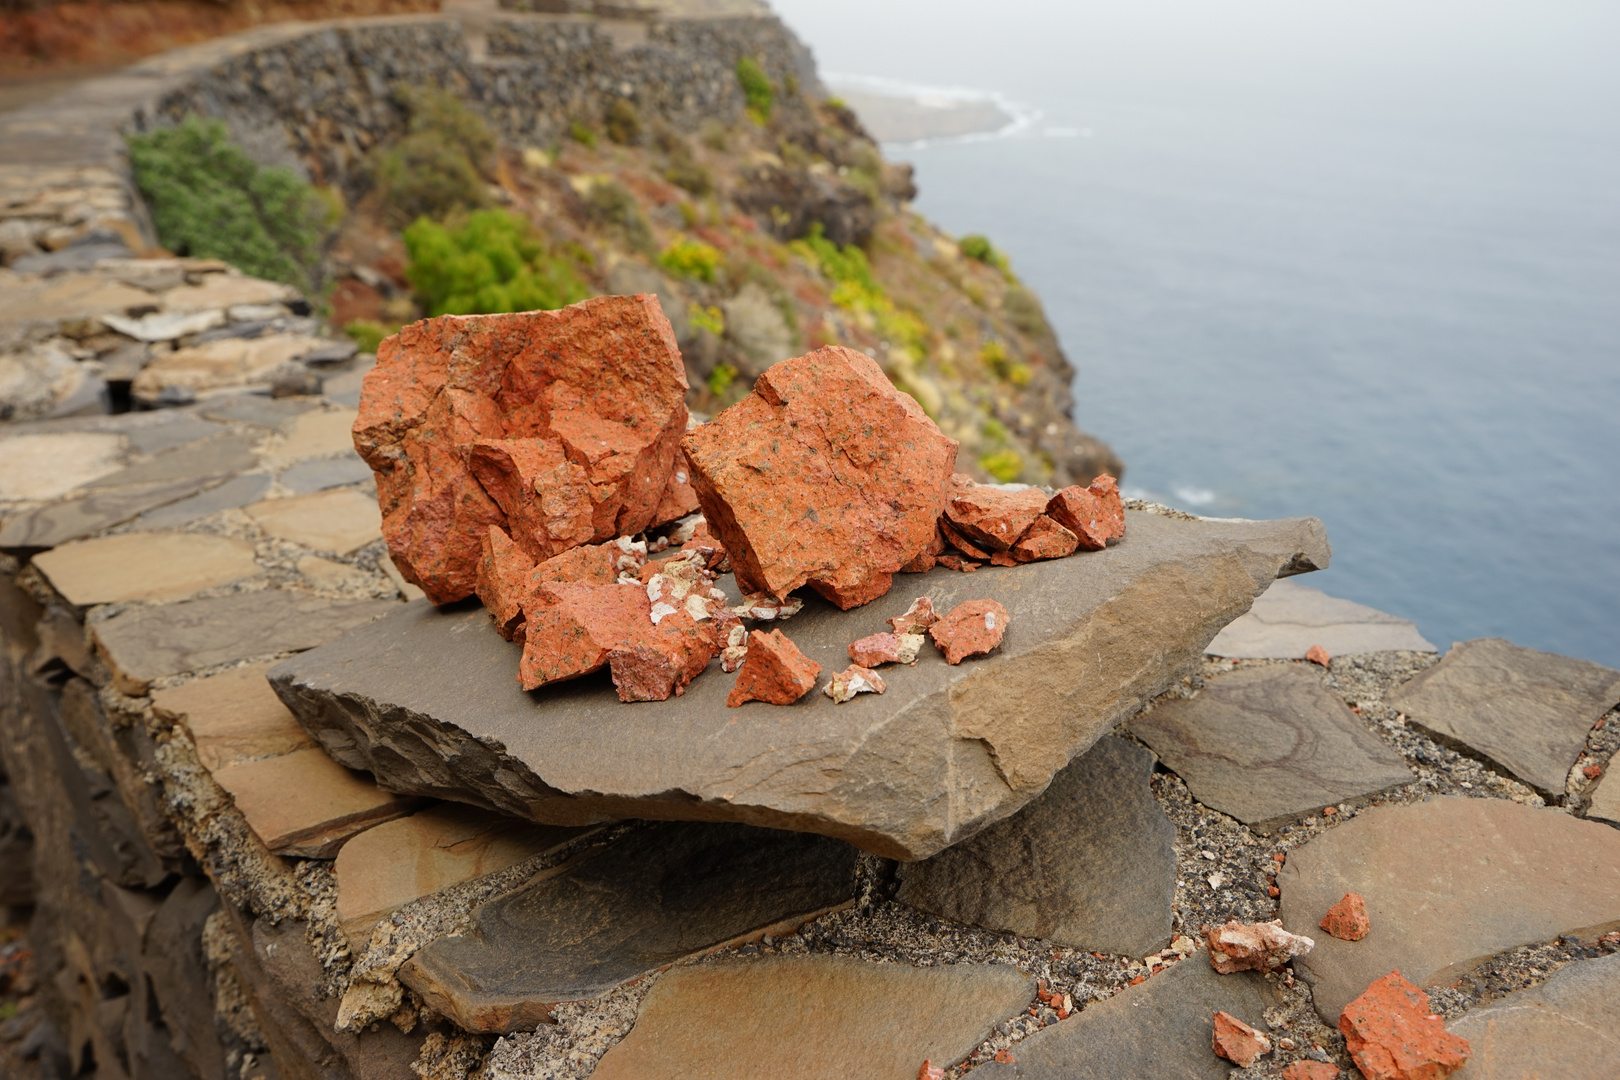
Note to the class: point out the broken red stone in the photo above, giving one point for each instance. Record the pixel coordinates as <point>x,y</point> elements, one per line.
<point>917,618</point>
<point>962,543</point>
<point>1592,772</point>
<point>1347,920</point>
<point>930,1071</point>
<point>712,550</point>
<point>594,564</point>
<point>1094,514</point>
<point>1045,539</point>
<point>572,418</point>
<point>993,518</point>
<point>1001,558</point>
<point>876,649</point>
<point>764,607</point>
<point>923,563</point>
<point>824,475</point>
<point>503,581</point>
<point>663,660</point>
<point>1310,1070</point>
<point>951,562</point>
<point>571,629</point>
<point>774,671</point>
<point>1318,655</point>
<point>1262,946</point>
<point>1391,1034</point>
<point>969,629</point>
<point>1237,1042</point>
<point>853,680</point>
<point>1005,1057</point>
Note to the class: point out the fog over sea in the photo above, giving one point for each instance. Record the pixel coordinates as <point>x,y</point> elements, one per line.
<point>1360,261</point>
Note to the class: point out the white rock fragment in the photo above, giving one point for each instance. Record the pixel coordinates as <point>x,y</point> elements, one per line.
<point>910,646</point>
<point>764,607</point>
<point>917,619</point>
<point>854,680</point>
<point>736,649</point>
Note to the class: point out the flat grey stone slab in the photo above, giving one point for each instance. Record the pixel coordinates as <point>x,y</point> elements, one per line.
<point>429,702</point>
<point>260,411</point>
<point>1568,1027</point>
<point>1447,883</point>
<point>1091,863</point>
<point>661,893</point>
<point>237,492</point>
<point>48,526</point>
<point>1606,799</point>
<point>1289,618</point>
<point>1162,1027</point>
<point>1527,711</point>
<point>143,644</point>
<point>311,476</point>
<point>1269,745</point>
<point>203,460</point>
<point>178,429</point>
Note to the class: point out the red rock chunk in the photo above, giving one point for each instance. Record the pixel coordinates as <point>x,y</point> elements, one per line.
<point>921,564</point>
<point>962,543</point>
<point>876,649</point>
<point>731,636</point>
<point>917,618</point>
<point>571,629</point>
<point>825,475</point>
<point>774,671</point>
<point>951,562</point>
<point>853,680</point>
<point>930,1071</point>
<point>1391,1034</point>
<point>1347,919</point>
<point>1045,539</point>
<point>663,659</point>
<point>1318,655</point>
<point>992,518</point>
<point>594,564</point>
<point>969,629</point>
<point>1001,558</point>
<point>1310,1070</point>
<point>503,581</point>
<point>1237,1042</point>
<point>710,548</point>
<point>1262,946</point>
<point>1094,514</point>
<point>587,401</point>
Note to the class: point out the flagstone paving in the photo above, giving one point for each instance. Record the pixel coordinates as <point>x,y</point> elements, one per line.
<point>1568,1027</point>
<point>145,566</point>
<point>1290,617</point>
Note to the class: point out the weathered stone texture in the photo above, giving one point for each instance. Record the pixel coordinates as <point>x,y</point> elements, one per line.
<point>1289,618</point>
<point>1568,1027</point>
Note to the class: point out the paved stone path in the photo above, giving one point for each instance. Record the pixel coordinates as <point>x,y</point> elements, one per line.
<point>1290,617</point>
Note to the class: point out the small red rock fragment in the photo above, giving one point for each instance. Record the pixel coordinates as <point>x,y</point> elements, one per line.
<point>853,680</point>
<point>923,563</point>
<point>1045,539</point>
<point>992,517</point>
<point>732,637</point>
<point>1005,1057</point>
<point>1310,1070</point>
<point>774,671</point>
<point>1347,920</point>
<point>1262,946</point>
<point>961,543</point>
<point>1318,655</point>
<point>951,562</point>
<point>503,581</point>
<point>825,475</point>
<point>572,628</point>
<point>917,618</point>
<point>1237,1042</point>
<point>1592,772</point>
<point>876,649</point>
<point>713,552</point>
<point>662,660</point>
<point>969,629</point>
<point>1391,1034</point>
<point>930,1071</point>
<point>1001,558</point>
<point>1094,514</point>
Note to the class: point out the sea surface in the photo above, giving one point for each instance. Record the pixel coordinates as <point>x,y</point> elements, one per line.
<point>1361,262</point>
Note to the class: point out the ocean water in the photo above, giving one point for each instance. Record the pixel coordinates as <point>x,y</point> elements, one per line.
<point>1362,264</point>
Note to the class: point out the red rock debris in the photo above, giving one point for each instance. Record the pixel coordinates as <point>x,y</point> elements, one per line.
<point>559,427</point>
<point>969,629</point>
<point>993,517</point>
<point>663,659</point>
<point>951,562</point>
<point>1237,1042</point>
<point>961,543</point>
<point>930,1071</point>
<point>824,475</point>
<point>763,607</point>
<point>1005,1057</point>
<point>853,680</point>
<point>1392,1035</point>
<point>1592,772</point>
<point>876,649</point>
<point>1318,655</point>
<point>1262,946</point>
<point>571,628</point>
<point>1310,1070</point>
<point>1094,514</point>
<point>1347,920</point>
<point>917,618</point>
<point>1045,539</point>
<point>774,671</point>
<point>502,581</point>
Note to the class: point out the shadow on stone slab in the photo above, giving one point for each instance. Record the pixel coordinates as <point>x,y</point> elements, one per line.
<point>1162,1027</point>
<point>1288,618</point>
<point>812,1017</point>
<point>943,753</point>
<point>1269,745</point>
<point>1448,883</point>
<point>661,893</point>
<point>1527,712</point>
<point>1090,864</point>
<point>1568,1027</point>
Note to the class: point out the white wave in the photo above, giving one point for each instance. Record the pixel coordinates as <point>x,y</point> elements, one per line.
<point>1022,116</point>
<point>1193,496</point>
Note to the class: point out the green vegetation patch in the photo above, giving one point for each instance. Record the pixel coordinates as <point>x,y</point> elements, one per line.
<point>757,89</point>
<point>490,263</point>
<point>1004,464</point>
<point>209,200</point>
<point>692,259</point>
<point>856,290</point>
<point>440,165</point>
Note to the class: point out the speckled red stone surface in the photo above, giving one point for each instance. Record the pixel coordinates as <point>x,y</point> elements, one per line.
<point>877,649</point>
<point>961,543</point>
<point>825,475</point>
<point>664,659</point>
<point>969,629</point>
<point>1045,539</point>
<point>1094,514</point>
<point>992,518</point>
<point>1237,1042</point>
<point>588,401</point>
<point>917,618</point>
<point>1391,1034</point>
<point>1310,1070</point>
<point>503,580</point>
<point>775,671</point>
<point>1347,919</point>
<point>571,628</point>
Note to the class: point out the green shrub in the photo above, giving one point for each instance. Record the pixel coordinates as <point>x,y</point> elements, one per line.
<point>441,163</point>
<point>977,247</point>
<point>210,201</point>
<point>623,122</point>
<point>367,333</point>
<point>610,204</point>
<point>721,378</point>
<point>685,173</point>
<point>1023,310</point>
<point>582,133</point>
<point>708,318</point>
<point>756,88</point>
<point>692,259</point>
<point>1004,464</point>
<point>490,263</point>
